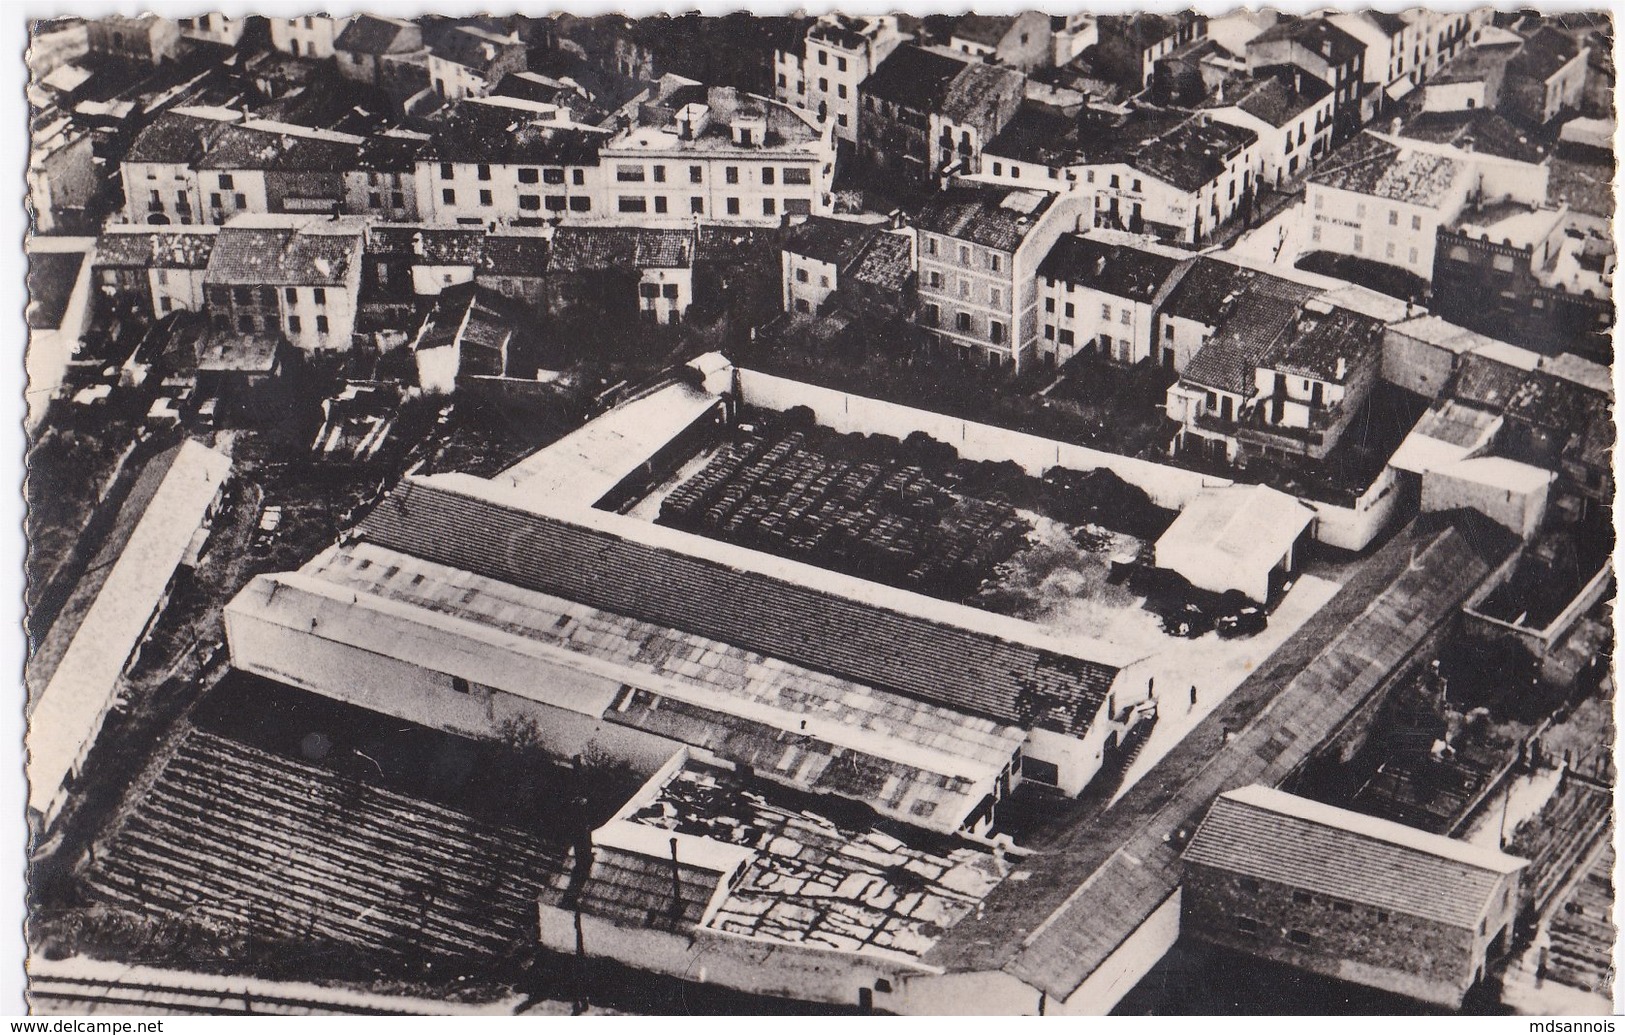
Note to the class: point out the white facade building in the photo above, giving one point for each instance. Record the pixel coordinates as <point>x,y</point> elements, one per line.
<point>837,55</point>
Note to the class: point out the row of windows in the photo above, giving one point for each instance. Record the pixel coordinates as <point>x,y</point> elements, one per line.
<point>967,291</point>
<point>823,59</point>
<point>1359,212</point>
<point>794,176</point>
<point>1390,251</point>
<point>995,261</point>
<point>1125,316</point>
<point>266,296</point>
<point>527,202</point>
<point>964,323</point>
<point>248,323</point>
<point>696,206</point>
<point>525,174</point>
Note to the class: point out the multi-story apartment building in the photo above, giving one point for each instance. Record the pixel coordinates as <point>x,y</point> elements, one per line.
<point>161,269</point>
<point>159,178</point>
<point>925,112</point>
<point>309,36</point>
<point>1326,52</point>
<point>297,277</point>
<point>1102,296</point>
<point>1156,172</point>
<point>384,182</point>
<point>1024,41</point>
<point>696,152</point>
<point>1291,114</point>
<point>469,61</point>
<point>837,54</point>
<point>979,253</point>
<point>262,166</point>
<point>500,160</point>
<point>1445,35</point>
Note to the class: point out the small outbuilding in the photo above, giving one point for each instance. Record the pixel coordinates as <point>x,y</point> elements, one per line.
<point>1240,537</point>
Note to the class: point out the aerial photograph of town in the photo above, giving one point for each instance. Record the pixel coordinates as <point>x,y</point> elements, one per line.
<point>1031,513</point>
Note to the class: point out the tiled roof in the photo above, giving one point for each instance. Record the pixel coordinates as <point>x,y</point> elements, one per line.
<point>1585,187</point>
<point>1192,155</point>
<point>234,352</point>
<point>636,889</point>
<point>991,217</point>
<point>171,137</point>
<point>1328,346</point>
<point>1390,24</point>
<point>887,263</point>
<point>466,317</point>
<point>579,248</point>
<point>985,29</point>
<point>371,34</point>
<point>722,245</point>
<point>276,256</point>
<point>1379,169</point>
<point>473,47</point>
<point>1115,269</point>
<point>383,152</point>
<point>974,96</point>
<point>1474,63</point>
<point>916,79</point>
<point>836,241</point>
<point>1207,290</point>
<point>172,248</point>
<point>1261,832</point>
<point>1316,34</point>
<point>1476,129</point>
<point>1269,98</point>
<point>515,255</point>
<point>427,245</point>
<point>507,136</point>
<point>1232,356</point>
<point>956,666</point>
<point>247,147</point>
<point>1544,54</point>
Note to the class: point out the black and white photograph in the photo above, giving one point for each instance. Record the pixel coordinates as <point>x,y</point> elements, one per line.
<point>804,513</point>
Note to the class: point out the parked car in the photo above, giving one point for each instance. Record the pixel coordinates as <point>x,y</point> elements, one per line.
<point>265,534</point>
<point>1186,620</point>
<point>1243,622</point>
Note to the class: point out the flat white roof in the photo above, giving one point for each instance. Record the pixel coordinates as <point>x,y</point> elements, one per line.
<point>586,464</point>
<point>68,714</point>
<point>1498,472</point>
<point>655,843</point>
<point>1252,526</point>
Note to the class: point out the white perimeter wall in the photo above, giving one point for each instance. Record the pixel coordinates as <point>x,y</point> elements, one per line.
<point>1169,487</point>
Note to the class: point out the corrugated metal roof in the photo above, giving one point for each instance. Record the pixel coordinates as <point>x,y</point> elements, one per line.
<point>1261,832</point>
